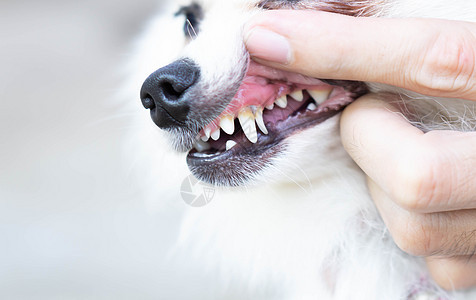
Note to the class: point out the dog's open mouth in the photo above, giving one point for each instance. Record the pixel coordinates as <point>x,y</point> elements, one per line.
<point>269,106</point>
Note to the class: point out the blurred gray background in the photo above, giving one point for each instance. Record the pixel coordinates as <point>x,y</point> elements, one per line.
<point>70,226</point>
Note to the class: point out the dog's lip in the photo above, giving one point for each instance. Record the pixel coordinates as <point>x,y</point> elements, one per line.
<point>256,69</point>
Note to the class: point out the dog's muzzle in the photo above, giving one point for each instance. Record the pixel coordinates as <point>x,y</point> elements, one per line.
<point>166,92</point>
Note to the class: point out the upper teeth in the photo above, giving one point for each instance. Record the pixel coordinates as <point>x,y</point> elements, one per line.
<point>281,101</point>
<point>297,95</point>
<point>247,122</point>
<point>251,114</point>
<point>207,131</point>
<point>260,121</point>
<point>227,123</point>
<point>216,134</point>
<point>319,95</point>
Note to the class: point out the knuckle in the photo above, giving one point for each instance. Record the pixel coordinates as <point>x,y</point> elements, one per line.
<point>415,183</point>
<point>425,178</point>
<point>447,65</point>
<point>414,236</point>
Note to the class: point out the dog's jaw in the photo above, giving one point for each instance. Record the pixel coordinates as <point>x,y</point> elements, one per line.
<point>239,156</point>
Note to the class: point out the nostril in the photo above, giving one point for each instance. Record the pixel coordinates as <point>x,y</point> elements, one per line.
<point>148,102</point>
<point>170,92</point>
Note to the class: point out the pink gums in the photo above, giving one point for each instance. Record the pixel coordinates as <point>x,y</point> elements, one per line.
<point>261,86</point>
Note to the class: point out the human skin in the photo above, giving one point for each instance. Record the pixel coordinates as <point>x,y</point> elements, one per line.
<point>423,184</point>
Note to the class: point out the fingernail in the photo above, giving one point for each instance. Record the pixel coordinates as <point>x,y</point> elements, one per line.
<point>268,45</point>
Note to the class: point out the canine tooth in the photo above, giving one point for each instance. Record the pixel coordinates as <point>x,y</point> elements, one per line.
<point>215,134</point>
<point>281,101</point>
<point>260,121</point>
<point>247,122</point>
<point>230,144</point>
<point>312,106</point>
<point>297,95</point>
<point>270,107</point>
<point>201,146</point>
<point>319,95</point>
<point>227,124</point>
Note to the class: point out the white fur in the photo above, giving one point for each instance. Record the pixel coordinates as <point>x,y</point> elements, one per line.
<point>309,230</point>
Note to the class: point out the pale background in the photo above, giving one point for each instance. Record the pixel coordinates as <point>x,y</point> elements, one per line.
<point>70,226</point>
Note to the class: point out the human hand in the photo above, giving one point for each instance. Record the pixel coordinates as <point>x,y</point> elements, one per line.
<point>422,183</point>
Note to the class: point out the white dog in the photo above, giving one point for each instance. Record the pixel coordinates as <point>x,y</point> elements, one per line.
<point>296,221</point>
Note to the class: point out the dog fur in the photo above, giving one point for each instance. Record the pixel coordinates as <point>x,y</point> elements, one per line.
<point>303,226</point>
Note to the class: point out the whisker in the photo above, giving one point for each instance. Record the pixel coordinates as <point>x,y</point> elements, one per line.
<point>190,28</point>
<point>111,118</point>
<point>303,188</point>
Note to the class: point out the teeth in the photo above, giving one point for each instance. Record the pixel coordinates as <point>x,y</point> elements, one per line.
<point>297,95</point>
<point>281,101</point>
<point>248,116</point>
<point>247,122</point>
<point>227,124</point>
<point>216,134</point>
<point>312,106</point>
<point>207,132</point>
<point>260,121</point>
<point>230,144</point>
<point>319,95</point>
<point>201,146</point>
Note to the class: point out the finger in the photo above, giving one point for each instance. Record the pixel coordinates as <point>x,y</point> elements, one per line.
<point>453,273</point>
<point>444,233</point>
<point>425,172</point>
<point>433,57</point>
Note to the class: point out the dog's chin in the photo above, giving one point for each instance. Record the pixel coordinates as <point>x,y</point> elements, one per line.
<point>236,159</point>
<point>181,139</point>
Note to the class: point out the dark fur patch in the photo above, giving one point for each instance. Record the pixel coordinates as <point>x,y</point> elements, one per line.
<point>193,16</point>
<point>364,8</point>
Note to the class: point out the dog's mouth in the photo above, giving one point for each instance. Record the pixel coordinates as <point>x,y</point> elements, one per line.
<point>270,105</point>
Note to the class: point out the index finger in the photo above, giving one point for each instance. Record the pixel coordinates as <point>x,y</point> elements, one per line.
<point>429,56</point>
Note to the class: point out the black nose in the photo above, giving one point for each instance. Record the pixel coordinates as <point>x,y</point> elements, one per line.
<point>164,92</point>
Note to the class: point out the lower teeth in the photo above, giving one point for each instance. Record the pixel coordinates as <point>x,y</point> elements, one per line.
<point>311,106</point>
<point>230,144</point>
<point>201,146</point>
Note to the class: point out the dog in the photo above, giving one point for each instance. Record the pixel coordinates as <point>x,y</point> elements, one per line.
<point>291,217</point>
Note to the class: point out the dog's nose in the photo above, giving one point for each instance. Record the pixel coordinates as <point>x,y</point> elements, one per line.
<point>164,92</point>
